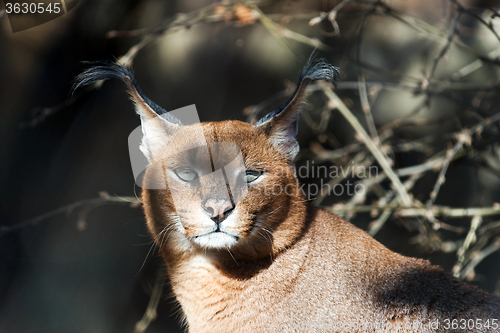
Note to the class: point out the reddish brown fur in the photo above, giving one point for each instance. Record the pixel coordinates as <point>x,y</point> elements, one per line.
<point>313,269</point>
<point>277,264</point>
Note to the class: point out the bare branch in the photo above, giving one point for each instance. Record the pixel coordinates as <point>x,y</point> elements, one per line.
<point>331,16</point>
<point>87,204</point>
<point>151,311</point>
<point>445,49</point>
<point>376,225</point>
<point>441,179</point>
<point>471,238</point>
<point>420,210</point>
<point>379,156</point>
<point>480,256</point>
<point>462,9</point>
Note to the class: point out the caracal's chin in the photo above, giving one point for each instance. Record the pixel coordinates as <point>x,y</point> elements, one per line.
<point>216,240</point>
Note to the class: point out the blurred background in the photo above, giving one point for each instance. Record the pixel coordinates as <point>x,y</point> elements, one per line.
<point>421,76</point>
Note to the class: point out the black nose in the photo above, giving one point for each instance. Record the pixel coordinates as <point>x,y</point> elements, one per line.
<point>217,209</point>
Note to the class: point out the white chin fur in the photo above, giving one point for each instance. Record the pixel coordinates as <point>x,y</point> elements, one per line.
<point>216,240</point>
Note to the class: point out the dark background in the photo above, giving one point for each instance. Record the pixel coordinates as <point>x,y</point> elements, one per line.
<point>92,270</point>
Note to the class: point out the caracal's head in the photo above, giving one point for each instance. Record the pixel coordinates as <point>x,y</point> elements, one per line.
<point>220,186</point>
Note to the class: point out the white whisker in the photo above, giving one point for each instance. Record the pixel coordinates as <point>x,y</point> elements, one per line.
<point>229,251</point>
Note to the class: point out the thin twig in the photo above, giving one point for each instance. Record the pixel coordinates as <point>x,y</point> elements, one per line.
<point>488,227</point>
<point>149,36</point>
<point>88,203</point>
<point>365,106</point>
<point>376,225</point>
<point>182,21</point>
<point>38,114</point>
<point>420,210</point>
<point>279,31</point>
<point>474,65</point>
<point>471,238</point>
<point>430,164</point>
<point>480,256</point>
<point>151,311</point>
<point>427,29</point>
<point>363,90</point>
<point>337,180</point>
<point>462,9</point>
<point>463,137</point>
<point>445,49</point>
<point>368,183</point>
<point>441,178</point>
<point>379,156</point>
<point>449,212</point>
<point>331,16</point>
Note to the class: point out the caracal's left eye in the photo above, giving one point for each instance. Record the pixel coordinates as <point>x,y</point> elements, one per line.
<point>252,175</point>
<point>186,174</point>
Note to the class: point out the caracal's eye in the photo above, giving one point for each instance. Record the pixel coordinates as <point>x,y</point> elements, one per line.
<point>251,175</point>
<point>186,174</point>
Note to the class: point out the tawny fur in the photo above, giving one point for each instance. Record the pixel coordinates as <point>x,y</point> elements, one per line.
<point>321,271</point>
<point>287,267</point>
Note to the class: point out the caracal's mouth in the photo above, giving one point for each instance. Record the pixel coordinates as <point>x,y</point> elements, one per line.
<point>216,239</point>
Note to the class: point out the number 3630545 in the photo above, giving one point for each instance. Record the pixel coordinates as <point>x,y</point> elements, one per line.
<point>32,8</point>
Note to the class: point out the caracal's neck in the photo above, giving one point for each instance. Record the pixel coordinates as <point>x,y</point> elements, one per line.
<point>214,293</point>
<point>211,286</point>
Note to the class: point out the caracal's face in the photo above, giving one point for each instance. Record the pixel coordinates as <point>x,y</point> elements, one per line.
<point>220,185</point>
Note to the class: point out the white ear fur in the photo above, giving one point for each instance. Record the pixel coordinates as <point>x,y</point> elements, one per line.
<point>287,144</point>
<point>155,128</point>
<point>282,134</point>
<point>281,125</point>
<point>155,135</point>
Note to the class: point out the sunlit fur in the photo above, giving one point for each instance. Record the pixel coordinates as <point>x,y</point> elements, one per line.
<point>278,264</point>
<point>295,264</point>
<point>258,211</point>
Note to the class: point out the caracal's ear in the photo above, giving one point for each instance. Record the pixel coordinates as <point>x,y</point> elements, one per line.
<point>156,122</point>
<point>281,124</point>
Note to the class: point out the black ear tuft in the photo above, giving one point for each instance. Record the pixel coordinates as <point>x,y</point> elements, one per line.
<point>281,124</point>
<point>314,70</point>
<point>106,70</point>
<point>102,70</point>
<point>319,69</point>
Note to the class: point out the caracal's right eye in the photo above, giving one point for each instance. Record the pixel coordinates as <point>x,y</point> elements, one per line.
<point>252,175</point>
<point>186,174</point>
